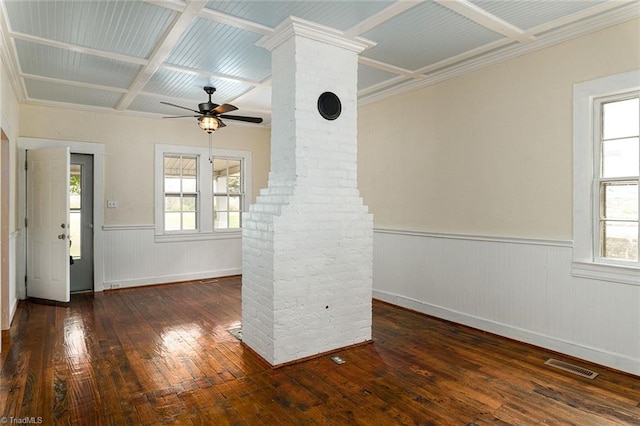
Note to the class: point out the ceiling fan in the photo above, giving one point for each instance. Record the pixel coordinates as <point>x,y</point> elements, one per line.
<point>210,114</point>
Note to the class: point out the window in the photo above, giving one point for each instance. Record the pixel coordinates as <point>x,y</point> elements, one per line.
<point>198,198</point>
<point>180,192</point>
<point>606,170</point>
<point>228,193</point>
<point>617,131</point>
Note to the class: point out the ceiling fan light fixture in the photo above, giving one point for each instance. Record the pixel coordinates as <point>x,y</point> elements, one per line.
<point>208,123</point>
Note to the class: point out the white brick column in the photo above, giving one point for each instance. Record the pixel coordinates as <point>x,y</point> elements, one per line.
<point>307,242</point>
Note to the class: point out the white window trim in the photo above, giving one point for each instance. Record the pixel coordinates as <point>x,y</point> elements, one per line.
<point>584,94</point>
<point>205,229</point>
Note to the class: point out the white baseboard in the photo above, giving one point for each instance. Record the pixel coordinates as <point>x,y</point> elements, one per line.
<point>596,355</point>
<point>165,279</point>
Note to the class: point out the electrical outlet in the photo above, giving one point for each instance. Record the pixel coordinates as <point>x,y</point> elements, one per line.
<point>112,204</point>
<point>115,286</point>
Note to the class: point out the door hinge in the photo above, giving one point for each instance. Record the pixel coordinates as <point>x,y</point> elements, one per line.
<point>26,165</point>
<point>25,222</point>
<point>25,280</point>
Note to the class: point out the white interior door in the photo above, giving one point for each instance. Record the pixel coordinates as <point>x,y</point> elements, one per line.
<point>48,223</point>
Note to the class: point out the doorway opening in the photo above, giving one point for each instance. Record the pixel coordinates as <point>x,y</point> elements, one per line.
<point>81,223</point>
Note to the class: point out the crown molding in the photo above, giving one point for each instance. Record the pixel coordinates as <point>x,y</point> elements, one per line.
<point>293,26</point>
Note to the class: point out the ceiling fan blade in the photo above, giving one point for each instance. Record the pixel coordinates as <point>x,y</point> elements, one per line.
<point>221,124</point>
<point>178,106</point>
<point>181,116</point>
<point>241,118</point>
<point>221,109</point>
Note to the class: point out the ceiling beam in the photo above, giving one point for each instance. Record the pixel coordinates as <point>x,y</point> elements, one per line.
<point>162,50</point>
<point>487,20</point>
<point>384,15</point>
<point>235,22</point>
<point>79,49</point>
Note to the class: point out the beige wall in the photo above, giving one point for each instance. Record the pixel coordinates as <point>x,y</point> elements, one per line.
<point>489,152</point>
<point>130,142</point>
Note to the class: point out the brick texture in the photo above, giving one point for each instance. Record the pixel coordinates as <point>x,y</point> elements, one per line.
<point>307,242</point>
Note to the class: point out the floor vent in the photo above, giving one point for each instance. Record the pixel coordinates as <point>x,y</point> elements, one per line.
<point>571,368</point>
<point>236,332</point>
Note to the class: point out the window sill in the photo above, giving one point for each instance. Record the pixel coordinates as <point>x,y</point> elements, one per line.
<point>606,272</point>
<point>198,236</point>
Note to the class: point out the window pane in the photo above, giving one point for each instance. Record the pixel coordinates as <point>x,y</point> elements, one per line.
<point>234,176</point>
<point>189,184</point>
<point>172,166</point>
<point>171,184</point>
<point>620,240</point>
<point>172,221</point>
<point>620,158</point>
<point>220,184</point>
<point>620,119</point>
<point>234,203</point>
<point>220,220</point>
<point>234,219</point>
<point>620,200</point>
<point>234,184</point>
<point>189,203</point>
<point>172,203</point>
<point>219,175</point>
<point>220,203</point>
<point>75,227</point>
<point>189,221</point>
<point>75,186</point>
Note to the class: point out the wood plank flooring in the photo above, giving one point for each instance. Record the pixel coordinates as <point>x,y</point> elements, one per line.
<point>163,355</point>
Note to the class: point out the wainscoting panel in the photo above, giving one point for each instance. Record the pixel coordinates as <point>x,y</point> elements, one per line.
<point>519,288</point>
<point>133,257</point>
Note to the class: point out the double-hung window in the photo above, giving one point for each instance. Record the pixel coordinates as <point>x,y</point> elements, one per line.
<point>200,193</point>
<point>180,192</point>
<point>606,178</point>
<point>617,131</point>
<point>228,192</point>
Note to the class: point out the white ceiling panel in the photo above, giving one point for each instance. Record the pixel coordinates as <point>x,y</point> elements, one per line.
<point>426,34</point>
<point>57,92</point>
<point>130,27</point>
<point>336,14</point>
<point>46,61</point>
<point>128,55</point>
<point>190,86</point>
<point>368,76</point>
<point>222,49</point>
<point>527,14</point>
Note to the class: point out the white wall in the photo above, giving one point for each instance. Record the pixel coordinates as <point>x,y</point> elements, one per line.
<point>468,176</point>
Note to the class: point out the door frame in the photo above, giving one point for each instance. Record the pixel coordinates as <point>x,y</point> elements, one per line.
<point>98,151</point>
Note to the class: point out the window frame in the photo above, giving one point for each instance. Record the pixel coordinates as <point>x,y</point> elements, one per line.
<point>205,229</point>
<point>586,262</point>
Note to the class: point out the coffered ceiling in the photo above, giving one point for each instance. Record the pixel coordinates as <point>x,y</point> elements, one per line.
<point>128,55</point>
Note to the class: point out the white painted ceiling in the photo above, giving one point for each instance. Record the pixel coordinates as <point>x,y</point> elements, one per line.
<point>128,55</point>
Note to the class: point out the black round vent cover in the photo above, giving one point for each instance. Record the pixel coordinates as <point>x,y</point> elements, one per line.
<point>329,106</point>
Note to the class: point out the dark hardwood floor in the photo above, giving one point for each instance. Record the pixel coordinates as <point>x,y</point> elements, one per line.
<point>161,355</point>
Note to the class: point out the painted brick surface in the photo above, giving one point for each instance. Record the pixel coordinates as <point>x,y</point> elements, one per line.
<point>308,240</point>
